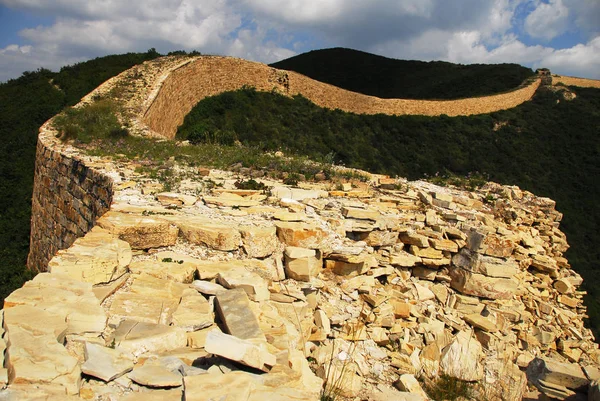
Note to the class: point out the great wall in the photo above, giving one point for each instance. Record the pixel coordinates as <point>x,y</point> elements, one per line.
<point>224,294</point>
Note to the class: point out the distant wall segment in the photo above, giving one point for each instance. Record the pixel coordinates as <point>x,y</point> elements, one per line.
<point>68,197</point>
<point>573,81</point>
<point>208,76</point>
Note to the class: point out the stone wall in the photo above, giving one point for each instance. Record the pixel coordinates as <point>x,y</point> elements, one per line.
<point>68,197</point>
<point>208,76</point>
<point>573,81</point>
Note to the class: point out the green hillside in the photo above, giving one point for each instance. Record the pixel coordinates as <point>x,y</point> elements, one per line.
<point>25,104</point>
<point>389,78</point>
<point>549,146</point>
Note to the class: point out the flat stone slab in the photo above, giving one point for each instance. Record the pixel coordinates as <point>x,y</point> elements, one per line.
<point>302,235</point>
<point>204,232</point>
<point>569,375</point>
<point>97,257</point>
<point>155,376</point>
<point>259,242</point>
<point>141,232</point>
<point>207,287</point>
<point>479,285</point>
<point>104,291</point>
<point>154,395</point>
<point>166,269</point>
<point>142,308</point>
<point>238,386</point>
<point>105,363</point>
<point>37,358</point>
<point>254,285</point>
<point>138,338</point>
<point>486,265</point>
<point>73,300</point>
<point>233,307</point>
<point>193,312</point>
<point>253,354</point>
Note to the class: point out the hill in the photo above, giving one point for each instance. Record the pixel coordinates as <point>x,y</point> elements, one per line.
<point>389,78</point>
<point>543,146</point>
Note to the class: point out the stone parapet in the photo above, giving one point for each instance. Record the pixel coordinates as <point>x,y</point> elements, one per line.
<point>68,197</point>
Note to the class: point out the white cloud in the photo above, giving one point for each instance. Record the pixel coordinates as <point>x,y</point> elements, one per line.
<point>547,21</point>
<point>587,16</point>
<point>581,60</point>
<point>463,31</point>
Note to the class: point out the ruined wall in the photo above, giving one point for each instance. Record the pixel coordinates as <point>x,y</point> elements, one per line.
<point>209,76</point>
<point>68,197</point>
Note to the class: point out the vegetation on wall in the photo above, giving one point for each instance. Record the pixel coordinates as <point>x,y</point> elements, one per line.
<point>549,146</point>
<point>25,104</point>
<point>408,79</point>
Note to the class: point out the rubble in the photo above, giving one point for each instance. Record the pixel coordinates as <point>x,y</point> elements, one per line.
<point>249,296</point>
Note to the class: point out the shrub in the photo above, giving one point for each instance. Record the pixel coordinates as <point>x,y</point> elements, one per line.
<point>447,388</point>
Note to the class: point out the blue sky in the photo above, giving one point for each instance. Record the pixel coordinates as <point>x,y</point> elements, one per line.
<point>563,35</point>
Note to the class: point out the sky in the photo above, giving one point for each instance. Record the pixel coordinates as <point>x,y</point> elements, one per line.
<point>563,35</point>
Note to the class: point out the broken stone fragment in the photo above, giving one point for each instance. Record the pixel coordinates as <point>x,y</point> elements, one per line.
<point>350,265</point>
<point>409,383</point>
<point>175,199</point>
<point>207,287</point>
<point>35,320</point>
<point>360,214</point>
<point>254,285</point>
<point>564,286</point>
<point>401,308</point>
<point>478,321</point>
<point>149,299</point>
<point>545,264</point>
<point>259,242</point>
<point>138,338</point>
<point>105,363</point>
<point>230,200</point>
<point>141,232</point>
<point>231,386</point>
<point>302,264</point>
<point>429,253</point>
<point>197,339</point>
<point>174,394</point>
<point>486,265</point>
<point>381,238</point>
<point>193,313</point>
<point>444,245</point>
<point>461,359</point>
<point>490,244</point>
<point>404,259</point>
<point>36,358</point>
<point>215,236</point>
<point>70,299</point>
<point>253,354</point>
<point>551,371</point>
<point>155,376</point>
<point>482,286</point>
<point>302,235</point>
<point>234,310</point>
<point>411,238</point>
<point>166,269</point>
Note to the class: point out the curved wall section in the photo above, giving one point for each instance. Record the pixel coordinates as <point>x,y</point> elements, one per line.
<point>209,76</point>
<point>68,197</point>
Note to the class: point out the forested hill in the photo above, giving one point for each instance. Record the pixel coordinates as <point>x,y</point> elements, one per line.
<point>25,104</point>
<point>389,78</point>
